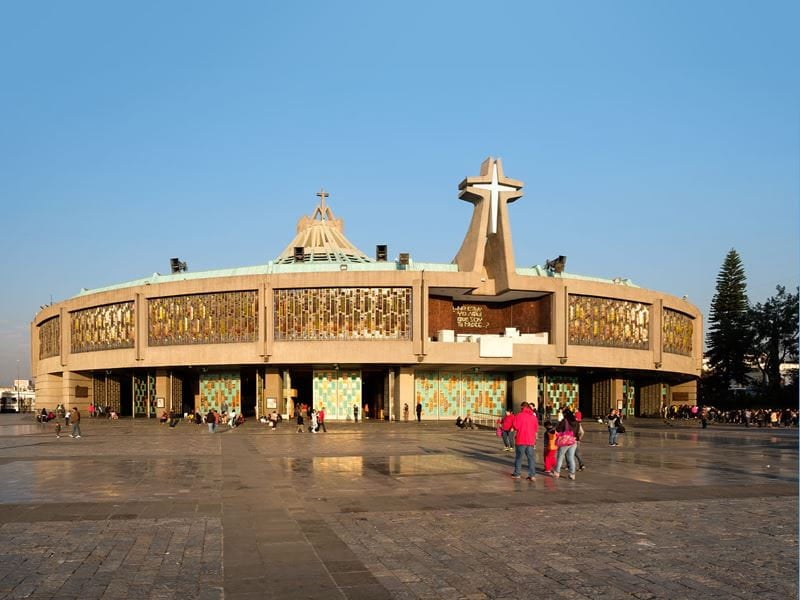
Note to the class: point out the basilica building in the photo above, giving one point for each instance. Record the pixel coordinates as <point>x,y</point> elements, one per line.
<point>328,325</point>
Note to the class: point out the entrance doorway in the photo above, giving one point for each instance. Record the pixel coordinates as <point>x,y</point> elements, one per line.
<point>248,375</point>
<point>373,394</point>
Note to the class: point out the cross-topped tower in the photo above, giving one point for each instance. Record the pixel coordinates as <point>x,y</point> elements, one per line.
<point>487,245</point>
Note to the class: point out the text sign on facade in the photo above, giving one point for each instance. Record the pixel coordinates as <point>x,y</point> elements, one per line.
<point>468,316</point>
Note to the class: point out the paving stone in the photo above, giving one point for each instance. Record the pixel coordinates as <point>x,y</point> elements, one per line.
<point>425,513</point>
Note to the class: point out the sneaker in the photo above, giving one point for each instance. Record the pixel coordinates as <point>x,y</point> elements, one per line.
<point>77,436</point>
<point>556,475</point>
<point>530,478</point>
<point>571,476</point>
<point>70,435</point>
<point>515,476</point>
<point>581,468</point>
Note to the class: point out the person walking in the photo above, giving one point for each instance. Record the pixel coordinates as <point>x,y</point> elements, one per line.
<point>355,412</point>
<point>211,421</point>
<point>612,422</point>
<point>299,421</point>
<point>405,412</point>
<point>419,412</point>
<point>321,419</point>
<point>76,423</point>
<point>526,425</point>
<point>314,421</point>
<point>567,443</point>
<point>507,431</point>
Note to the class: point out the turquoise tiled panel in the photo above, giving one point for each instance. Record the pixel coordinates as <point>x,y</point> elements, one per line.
<point>628,397</point>
<point>426,386</point>
<point>449,394</point>
<point>216,387</point>
<point>494,395</point>
<point>337,394</point>
<point>562,392</point>
<point>473,386</point>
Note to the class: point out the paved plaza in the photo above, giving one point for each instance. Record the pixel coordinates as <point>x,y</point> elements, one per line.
<point>135,509</point>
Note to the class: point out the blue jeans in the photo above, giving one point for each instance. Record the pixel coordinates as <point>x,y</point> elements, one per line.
<point>508,438</point>
<point>612,435</point>
<point>528,450</point>
<point>569,452</point>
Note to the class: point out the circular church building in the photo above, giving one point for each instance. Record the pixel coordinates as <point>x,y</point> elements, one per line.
<point>327,325</point>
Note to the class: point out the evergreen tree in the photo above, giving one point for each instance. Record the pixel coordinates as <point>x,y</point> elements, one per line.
<point>729,335</point>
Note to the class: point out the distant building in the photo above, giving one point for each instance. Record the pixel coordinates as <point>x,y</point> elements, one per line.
<point>326,324</point>
<point>19,398</point>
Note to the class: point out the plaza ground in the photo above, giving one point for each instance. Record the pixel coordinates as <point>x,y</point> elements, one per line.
<point>379,510</point>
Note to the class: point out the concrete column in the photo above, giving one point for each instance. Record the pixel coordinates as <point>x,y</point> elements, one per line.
<point>525,388</point>
<point>69,382</point>
<point>163,390</point>
<point>560,320</point>
<point>656,327</point>
<point>273,389</point>
<point>404,391</point>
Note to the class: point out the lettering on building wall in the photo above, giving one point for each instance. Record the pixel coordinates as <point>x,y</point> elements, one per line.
<point>469,316</point>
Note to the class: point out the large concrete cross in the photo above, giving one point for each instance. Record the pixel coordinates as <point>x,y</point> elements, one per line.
<point>494,199</point>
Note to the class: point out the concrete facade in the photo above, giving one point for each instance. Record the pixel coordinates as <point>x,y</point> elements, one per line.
<point>474,335</point>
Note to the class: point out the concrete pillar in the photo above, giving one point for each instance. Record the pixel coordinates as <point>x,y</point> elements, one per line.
<point>404,391</point>
<point>73,387</point>
<point>273,390</point>
<point>525,388</point>
<point>49,391</point>
<point>163,390</point>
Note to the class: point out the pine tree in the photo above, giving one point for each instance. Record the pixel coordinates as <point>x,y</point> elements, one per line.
<point>729,334</point>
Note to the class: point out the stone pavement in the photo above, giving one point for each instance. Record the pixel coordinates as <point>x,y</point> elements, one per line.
<point>135,509</point>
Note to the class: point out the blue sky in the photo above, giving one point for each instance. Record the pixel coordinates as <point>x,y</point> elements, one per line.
<point>652,137</point>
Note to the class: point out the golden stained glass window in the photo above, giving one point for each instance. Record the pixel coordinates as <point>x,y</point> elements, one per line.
<point>216,318</point>
<point>343,313</point>
<point>106,327</point>
<point>595,321</point>
<point>677,332</point>
<point>50,338</point>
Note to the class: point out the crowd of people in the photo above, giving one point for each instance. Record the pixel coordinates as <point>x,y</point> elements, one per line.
<point>749,417</point>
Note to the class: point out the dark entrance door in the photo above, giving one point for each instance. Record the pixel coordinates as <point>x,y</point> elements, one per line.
<point>373,394</point>
<point>248,375</point>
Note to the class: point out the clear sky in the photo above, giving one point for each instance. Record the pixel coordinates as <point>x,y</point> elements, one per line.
<point>652,137</point>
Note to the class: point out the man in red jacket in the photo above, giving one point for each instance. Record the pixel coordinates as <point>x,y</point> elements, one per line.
<point>526,425</point>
